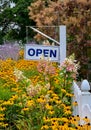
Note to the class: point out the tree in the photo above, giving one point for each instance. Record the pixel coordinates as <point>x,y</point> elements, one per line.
<point>3,6</point>
<point>76,15</point>
<point>13,21</point>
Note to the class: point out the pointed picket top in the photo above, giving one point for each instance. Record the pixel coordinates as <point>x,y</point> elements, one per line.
<point>85,85</point>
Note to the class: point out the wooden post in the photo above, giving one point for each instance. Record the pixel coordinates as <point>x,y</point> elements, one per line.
<point>62,36</point>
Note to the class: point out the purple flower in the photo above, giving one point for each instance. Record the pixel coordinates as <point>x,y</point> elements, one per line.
<point>9,51</point>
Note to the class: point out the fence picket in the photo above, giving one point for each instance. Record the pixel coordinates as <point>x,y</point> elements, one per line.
<point>83,97</point>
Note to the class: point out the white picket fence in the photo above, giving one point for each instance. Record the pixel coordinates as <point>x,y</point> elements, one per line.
<point>83,98</point>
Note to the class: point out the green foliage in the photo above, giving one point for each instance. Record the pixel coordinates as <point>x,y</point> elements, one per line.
<point>1,38</point>
<point>5,93</point>
<point>18,17</point>
<point>31,73</point>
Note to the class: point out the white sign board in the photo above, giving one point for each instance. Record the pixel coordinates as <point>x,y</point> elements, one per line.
<point>36,52</point>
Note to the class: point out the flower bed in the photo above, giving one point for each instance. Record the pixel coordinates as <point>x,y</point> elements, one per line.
<point>37,95</point>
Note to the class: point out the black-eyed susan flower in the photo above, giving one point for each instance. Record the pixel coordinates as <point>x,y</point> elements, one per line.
<point>75,103</point>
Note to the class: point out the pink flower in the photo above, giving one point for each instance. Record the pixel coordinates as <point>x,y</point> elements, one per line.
<point>46,67</point>
<point>69,65</point>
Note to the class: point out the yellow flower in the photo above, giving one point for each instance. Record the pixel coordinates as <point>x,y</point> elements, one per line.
<point>75,103</point>
<point>55,98</point>
<point>55,125</point>
<point>58,101</point>
<point>2,115</point>
<point>40,100</point>
<point>50,92</point>
<point>8,103</point>
<point>66,108</point>
<point>68,112</point>
<point>63,105</point>
<point>14,97</point>
<point>3,124</point>
<point>54,95</point>
<point>30,103</point>
<point>63,90</point>
<point>14,89</point>
<point>54,119</point>
<point>87,126</point>
<point>2,108</point>
<point>1,119</point>
<point>25,109</point>
<point>46,120</point>
<point>49,107</point>
<point>21,53</point>
<point>69,94</point>
<point>1,101</point>
<point>45,127</point>
<point>77,117</point>
<point>63,119</point>
<point>86,119</point>
<point>51,112</point>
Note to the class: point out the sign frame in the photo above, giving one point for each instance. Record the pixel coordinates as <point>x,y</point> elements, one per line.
<point>62,43</point>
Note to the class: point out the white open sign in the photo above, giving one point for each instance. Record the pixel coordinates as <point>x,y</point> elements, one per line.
<point>35,52</point>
